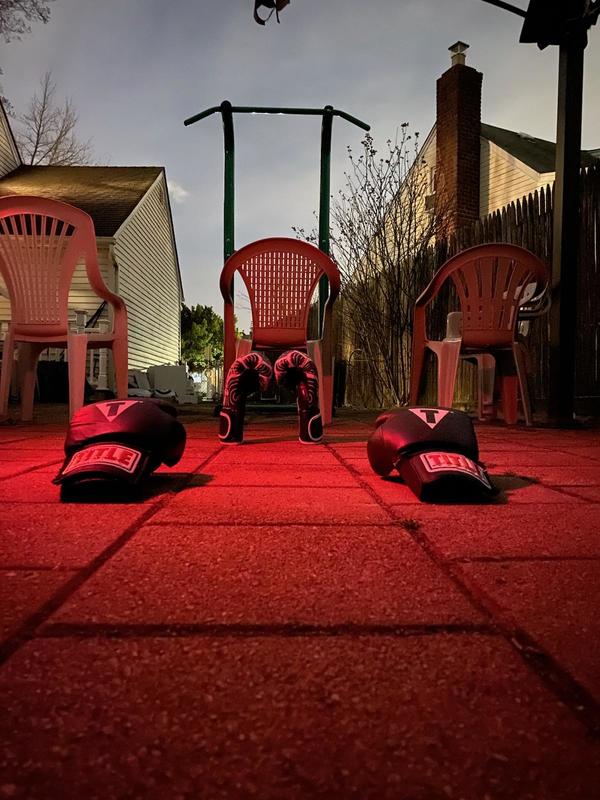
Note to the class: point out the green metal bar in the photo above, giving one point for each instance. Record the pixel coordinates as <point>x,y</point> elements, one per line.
<point>229,181</point>
<point>201,115</point>
<point>278,110</point>
<point>349,118</point>
<point>324,191</point>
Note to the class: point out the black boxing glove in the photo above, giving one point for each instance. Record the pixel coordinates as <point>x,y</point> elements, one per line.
<point>246,375</point>
<point>120,441</point>
<point>434,450</point>
<point>297,372</point>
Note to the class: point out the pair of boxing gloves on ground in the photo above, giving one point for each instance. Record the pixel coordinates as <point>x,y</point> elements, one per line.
<point>123,441</point>
<point>434,450</point>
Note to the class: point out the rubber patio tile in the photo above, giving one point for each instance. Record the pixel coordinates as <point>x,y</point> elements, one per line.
<point>37,487</point>
<point>585,451</point>
<point>60,535</point>
<point>565,529</point>
<point>310,456</point>
<point>9,469</point>
<point>36,443</point>
<point>519,491</point>
<point>270,505</point>
<point>372,718</point>
<point>390,490</point>
<point>557,603</point>
<point>269,575</point>
<point>518,458</point>
<point>291,475</point>
<point>359,465</point>
<point>23,592</point>
<point>590,493</point>
<point>582,475</point>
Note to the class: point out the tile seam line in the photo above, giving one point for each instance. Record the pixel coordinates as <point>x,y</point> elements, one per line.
<point>27,470</point>
<point>26,631</point>
<point>561,684</point>
<point>519,559</point>
<point>62,630</point>
<point>281,524</point>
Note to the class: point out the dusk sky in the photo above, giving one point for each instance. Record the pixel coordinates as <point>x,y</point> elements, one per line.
<point>135,69</point>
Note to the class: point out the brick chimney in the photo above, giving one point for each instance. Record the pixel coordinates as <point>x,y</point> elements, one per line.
<point>458,128</point>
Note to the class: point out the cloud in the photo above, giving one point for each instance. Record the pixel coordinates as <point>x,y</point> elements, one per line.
<point>177,193</point>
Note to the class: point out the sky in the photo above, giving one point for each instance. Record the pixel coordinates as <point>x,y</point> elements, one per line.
<point>135,69</point>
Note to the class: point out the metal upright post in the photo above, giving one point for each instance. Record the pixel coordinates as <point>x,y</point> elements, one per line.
<point>565,253</point>
<point>229,181</point>
<point>324,191</point>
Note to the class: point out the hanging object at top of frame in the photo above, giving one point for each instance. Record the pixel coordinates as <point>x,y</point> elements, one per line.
<point>552,22</point>
<point>274,5</point>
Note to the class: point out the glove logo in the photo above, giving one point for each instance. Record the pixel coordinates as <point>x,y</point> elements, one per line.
<point>114,408</point>
<point>430,416</point>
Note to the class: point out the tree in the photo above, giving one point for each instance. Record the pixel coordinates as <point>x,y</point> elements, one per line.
<point>201,338</point>
<point>380,238</point>
<point>45,133</point>
<point>15,16</point>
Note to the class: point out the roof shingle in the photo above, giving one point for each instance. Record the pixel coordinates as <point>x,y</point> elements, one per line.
<point>107,194</point>
<point>538,154</point>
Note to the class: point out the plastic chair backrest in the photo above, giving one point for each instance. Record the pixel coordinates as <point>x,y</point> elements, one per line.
<point>41,241</point>
<point>281,276</point>
<point>491,282</point>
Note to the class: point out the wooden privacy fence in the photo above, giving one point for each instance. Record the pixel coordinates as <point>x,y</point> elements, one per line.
<point>528,223</point>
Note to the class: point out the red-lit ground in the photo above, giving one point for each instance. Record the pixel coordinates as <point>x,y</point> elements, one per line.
<point>274,621</point>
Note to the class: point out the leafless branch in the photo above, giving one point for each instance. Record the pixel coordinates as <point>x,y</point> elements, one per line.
<point>46,132</point>
<point>381,237</point>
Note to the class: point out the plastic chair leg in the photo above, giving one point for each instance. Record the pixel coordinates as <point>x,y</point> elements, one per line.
<point>6,374</point>
<point>519,355</point>
<point>77,352</point>
<point>447,355</point>
<point>510,384</point>
<point>28,358</point>
<point>486,374</point>
<point>120,363</point>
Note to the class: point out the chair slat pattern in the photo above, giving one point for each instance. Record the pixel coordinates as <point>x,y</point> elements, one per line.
<point>32,248</point>
<point>489,291</point>
<point>280,285</point>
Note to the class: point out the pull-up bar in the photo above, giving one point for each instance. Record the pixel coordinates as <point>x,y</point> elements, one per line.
<point>227,111</point>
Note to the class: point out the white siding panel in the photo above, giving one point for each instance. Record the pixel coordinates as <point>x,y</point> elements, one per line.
<point>148,281</point>
<point>9,159</point>
<point>503,178</point>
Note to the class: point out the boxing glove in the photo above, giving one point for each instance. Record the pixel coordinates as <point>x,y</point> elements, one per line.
<point>297,372</point>
<point>434,450</point>
<point>120,441</point>
<point>247,374</point>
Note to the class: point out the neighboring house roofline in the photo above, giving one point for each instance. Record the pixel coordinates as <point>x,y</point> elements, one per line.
<point>107,194</point>
<point>521,147</point>
<point>537,154</point>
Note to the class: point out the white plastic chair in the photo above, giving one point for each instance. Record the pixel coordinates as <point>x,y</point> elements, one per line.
<point>492,283</point>
<point>41,241</point>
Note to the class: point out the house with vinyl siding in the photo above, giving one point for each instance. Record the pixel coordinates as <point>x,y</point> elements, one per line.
<point>136,245</point>
<point>476,168</point>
